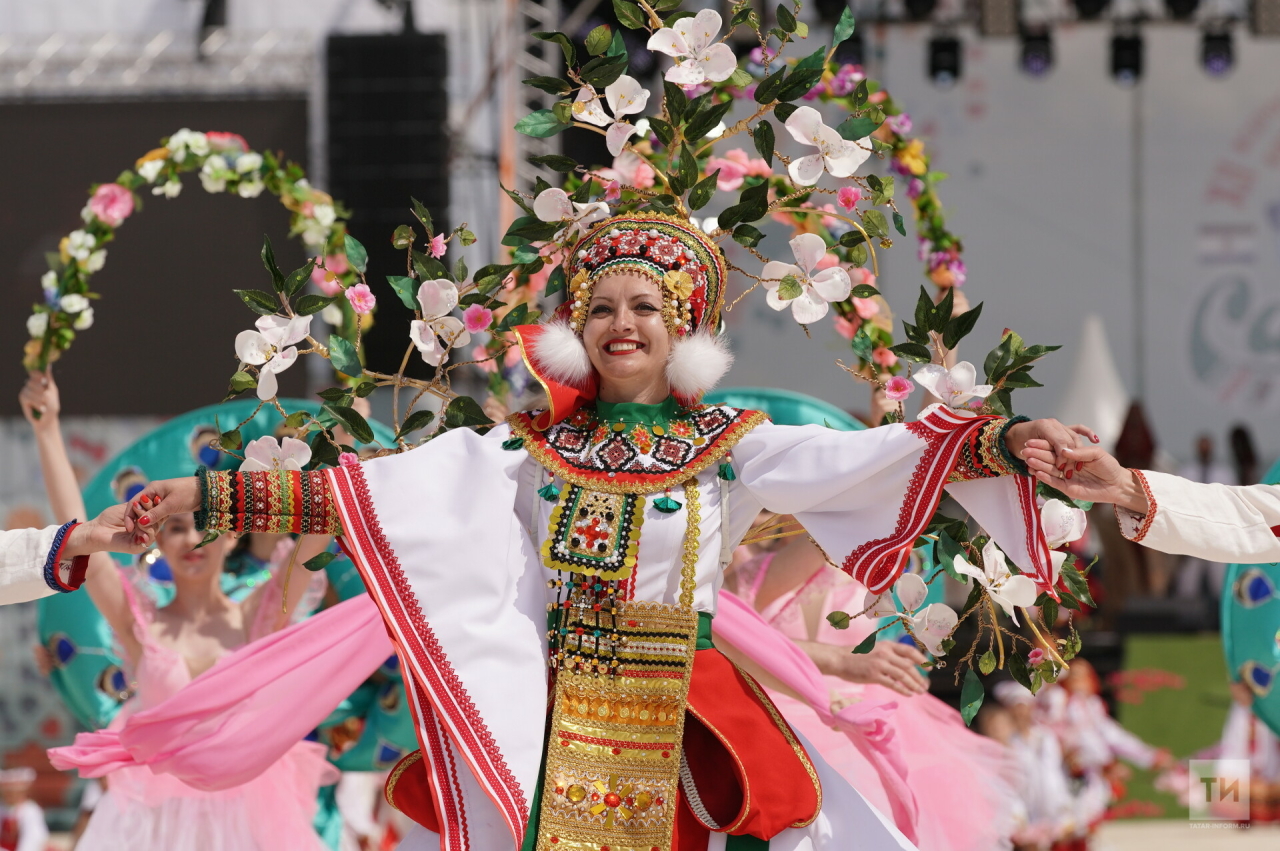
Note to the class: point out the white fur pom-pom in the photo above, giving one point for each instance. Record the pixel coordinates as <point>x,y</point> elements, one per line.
<point>697,363</point>
<point>559,355</point>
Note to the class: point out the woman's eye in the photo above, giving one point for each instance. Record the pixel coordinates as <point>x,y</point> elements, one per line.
<point>646,307</point>
<point>599,310</point>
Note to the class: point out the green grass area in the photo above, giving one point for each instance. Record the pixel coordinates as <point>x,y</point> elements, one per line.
<point>1184,720</point>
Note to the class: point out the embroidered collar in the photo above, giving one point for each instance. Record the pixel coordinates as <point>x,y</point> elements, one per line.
<point>674,443</point>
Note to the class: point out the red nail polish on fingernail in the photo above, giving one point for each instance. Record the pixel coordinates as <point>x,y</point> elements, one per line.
<point>1079,466</point>
<point>144,521</point>
<point>1069,474</point>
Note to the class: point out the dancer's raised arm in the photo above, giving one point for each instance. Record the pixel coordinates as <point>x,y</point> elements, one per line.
<point>269,501</point>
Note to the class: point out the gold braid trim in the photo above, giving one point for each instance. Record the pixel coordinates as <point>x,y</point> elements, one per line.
<point>404,764</point>
<point>692,539</point>
<point>799,750</point>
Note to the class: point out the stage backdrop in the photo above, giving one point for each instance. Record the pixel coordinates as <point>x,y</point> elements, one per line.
<point>1040,190</point>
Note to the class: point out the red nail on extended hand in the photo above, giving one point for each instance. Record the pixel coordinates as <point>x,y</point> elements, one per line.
<point>144,521</point>
<point>144,500</point>
<point>1079,466</point>
<point>1069,474</point>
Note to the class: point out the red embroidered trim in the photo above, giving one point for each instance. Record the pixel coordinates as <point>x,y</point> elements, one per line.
<point>445,686</point>
<point>877,564</point>
<point>1152,507</point>
<point>450,793</point>
<point>616,743</point>
<point>1037,544</point>
<point>673,675</point>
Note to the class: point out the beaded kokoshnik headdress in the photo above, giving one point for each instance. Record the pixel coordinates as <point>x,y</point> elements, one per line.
<point>690,272</point>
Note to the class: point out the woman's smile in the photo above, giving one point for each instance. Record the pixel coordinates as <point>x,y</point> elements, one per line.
<point>622,347</point>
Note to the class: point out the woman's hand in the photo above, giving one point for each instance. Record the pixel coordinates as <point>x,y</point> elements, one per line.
<point>40,402</point>
<point>111,531</point>
<point>1058,437</point>
<point>160,499</point>
<point>889,664</point>
<point>1091,474</point>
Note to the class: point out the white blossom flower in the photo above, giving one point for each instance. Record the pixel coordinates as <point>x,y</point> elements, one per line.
<point>265,348</point>
<point>84,320</point>
<point>86,214</point>
<point>332,314</point>
<point>213,174</point>
<point>267,453</point>
<point>37,324</point>
<point>692,44</point>
<point>80,244</point>
<point>169,189</point>
<point>250,188</point>
<point>837,156</point>
<point>187,141</point>
<point>251,161</point>
<point>708,225</point>
<point>882,606</point>
<point>1008,590</point>
<point>625,97</point>
<point>96,261</point>
<point>324,214</point>
<point>150,170</point>
<point>933,625</point>
<point>73,303</point>
<point>436,333</point>
<point>554,205</point>
<point>49,283</point>
<point>1062,523</point>
<point>281,331</point>
<point>955,386</point>
<point>911,591</point>
<point>817,287</point>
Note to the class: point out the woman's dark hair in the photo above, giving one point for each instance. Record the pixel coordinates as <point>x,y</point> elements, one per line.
<point>1243,455</point>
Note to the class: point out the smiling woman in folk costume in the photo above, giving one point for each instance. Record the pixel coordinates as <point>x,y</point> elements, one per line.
<point>610,517</point>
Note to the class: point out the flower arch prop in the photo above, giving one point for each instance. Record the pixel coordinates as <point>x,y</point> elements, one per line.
<point>670,159</point>
<point>224,163</point>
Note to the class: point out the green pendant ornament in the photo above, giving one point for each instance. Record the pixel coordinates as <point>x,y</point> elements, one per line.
<point>666,505</point>
<point>549,492</point>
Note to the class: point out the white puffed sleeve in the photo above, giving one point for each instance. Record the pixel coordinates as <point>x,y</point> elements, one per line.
<point>866,496</point>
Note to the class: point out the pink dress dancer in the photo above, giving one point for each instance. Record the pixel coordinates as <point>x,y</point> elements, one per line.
<point>145,811</point>
<point>918,760</point>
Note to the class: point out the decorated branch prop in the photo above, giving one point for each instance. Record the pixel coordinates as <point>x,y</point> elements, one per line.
<point>666,162</point>
<point>225,163</point>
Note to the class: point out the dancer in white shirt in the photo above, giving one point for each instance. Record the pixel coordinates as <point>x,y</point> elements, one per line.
<point>35,563</point>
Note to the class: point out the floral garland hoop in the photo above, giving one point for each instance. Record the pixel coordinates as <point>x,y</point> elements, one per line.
<point>225,163</point>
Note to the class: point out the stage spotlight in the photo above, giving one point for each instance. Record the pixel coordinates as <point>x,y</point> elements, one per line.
<point>998,18</point>
<point>920,10</point>
<point>1126,58</point>
<point>1217,53</point>
<point>1090,10</point>
<point>945,60</point>
<point>1181,10</point>
<point>1037,53</point>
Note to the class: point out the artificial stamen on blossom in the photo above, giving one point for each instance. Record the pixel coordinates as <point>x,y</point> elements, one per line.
<point>803,287</point>
<point>698,56</point>
<point>554,205</point>
<point>836,156</point>
<point>625,96</point>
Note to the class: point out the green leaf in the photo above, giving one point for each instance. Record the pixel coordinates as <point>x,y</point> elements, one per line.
<point>1077,583</point>
<point>740,17</point>
<point>296,419</point>
<point>898,224</point>
<point>752,204</point>
<point>862,344</point>
<point>550,85</point>
<point>860,94</point>
<point>849,239</point>
<point>603,70</point>
<point>460,270</point>
<point>1049,610</point>
<point>356,255</point>
<point>662,130</point>
<point>875,223</point>
<point>403,237</point>
<point>1019,671</point>
<point>844,27</point>
<point>541,124</point>
<point>343,356</point>
<point>332,394</point>
<point>866,645</point>
<point>313,303</point>
<point>365,388</point>
<point>322,449</point>
<point>518,315</point>
<point>518,199</point>
<point>415,421</point>
<point>355,423</point>
<point>799,82</point>
<point>556,282</point>
<point>525,254</point>
<point>768,89</point>
<point>406,288</point>
<point>298,278</point>
<point>747,235</point>
<point>971,696</point>
<point>790,288</point>
<point>676,101</point>
<point>783,110</point>
<point>960,326</point>
<point>428,268</point>
<point>464,412</point>
<point>629,14</point>
<point>706,120</point>
<point>912,351</point>
<point>1020,378</point>
<point>739,78</point>
<point>570,55</point>
<point>258,301</point>
<point>422,213</point>
<point>466,237</point>
<point>802,29</point>
<point>269,261</point>
<point>945,550</point>
<point>529,229</point>
<point>242,381</point>
<point>987,663</point>
<point>764,139</point>
<point>319,561</point>
<point>839,620</point>
<point>209,538</point>
<point>688,167</point>
<point>858,255</point>
<point>555,162</point>
<point>785,19</point>
<point>598,40</point>
<point>231,439</point>
<point>703,190</point>
<point>816,61</point>
<point>864,291</point>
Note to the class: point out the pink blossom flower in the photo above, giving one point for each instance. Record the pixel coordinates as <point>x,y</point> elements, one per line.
<point>898,388</point>
<point>829,222</point>
<point>512,357</point>
<point>436,246</point>
<point>862,275</point>
<point>732,174</point>
<point>612,191</point>
<point>112,203</point>
<point>849,196</point>
<point>476,318</point>
<point>484,361</point>
<point>220,141</point>
<point>878,97</point>
<point>900,124</point>
<point>845,328</point>
<point>883,357</point>
<point>326,280</point>
<point>828,261</point>
<point>1036,656</point>
<point>865,307</point>
<point>915,188</point>
<point>361,298</point>
<point>632,170</point>
<point>348,459</point>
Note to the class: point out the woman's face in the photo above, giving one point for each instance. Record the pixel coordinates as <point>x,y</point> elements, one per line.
<point>626,339</point>
<point>178,540</point>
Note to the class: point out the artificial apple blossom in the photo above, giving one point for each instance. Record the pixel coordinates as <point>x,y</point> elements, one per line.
<point>250,188</point>
<point>214,174</point>
<point>187,141</point>
<point>169,189</point>
<point>37,324</point>
<point>955,386</point>
<point>911,591</point>
<point>1002,586</point>
<point>698,56</point>
<point>266,349</point>
<point>246,163</point>
<point>625,97</point>
<point>836,156</point>
<point>150,170</point>
<point>476,318</point>
<point>96,261</point>
<point>817,287</point>
<point>436,246</point>
<point>361,298</point>
<point>932,625</point>
<point>267,453</point>
<point>281,331</point>
<point>73,303</point>
<point>1062,523</point>
<point>554,205</point>
<point>848,197</point>
<point>332,314</point>
<point>83,320</point>
<point>897,388</point>
<point>436,332</point>
<point>80,244</point>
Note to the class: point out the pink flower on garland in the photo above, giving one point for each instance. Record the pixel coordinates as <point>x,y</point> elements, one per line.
<point>883,357</point>
<point>898,388</point>
<point>326,279</point>
<point>219,141</point>
<point>845,328</point>
<point>849,196</point>
<point>361,298</point>
<point>348,459</point>
<point>436,246</point>
<point>476,318</point>
<point>900,124</point>
<point>112,204</point>
<point>481,355</point>
<point>735,167</point>
<point>865,307</point>
<point>1036,656</point>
